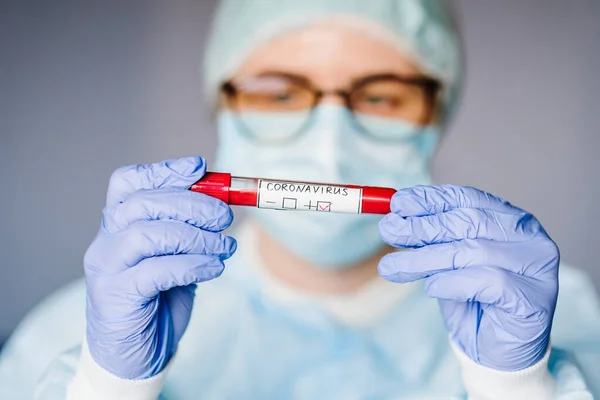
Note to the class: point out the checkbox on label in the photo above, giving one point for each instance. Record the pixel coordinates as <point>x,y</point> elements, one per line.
<point>323,206</point>
<point>289,203</point>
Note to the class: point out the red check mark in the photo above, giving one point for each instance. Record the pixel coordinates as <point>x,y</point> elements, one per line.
<point>324,206</point>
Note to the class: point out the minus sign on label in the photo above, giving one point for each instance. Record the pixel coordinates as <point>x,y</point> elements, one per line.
<point>270,202</point>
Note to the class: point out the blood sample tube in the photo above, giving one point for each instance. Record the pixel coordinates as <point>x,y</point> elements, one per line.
<point>293,195</point>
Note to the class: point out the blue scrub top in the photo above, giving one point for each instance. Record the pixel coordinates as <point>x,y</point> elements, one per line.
<point>241,344</point>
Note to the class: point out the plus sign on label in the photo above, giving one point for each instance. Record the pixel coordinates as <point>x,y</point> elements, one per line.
<point>282,195</point>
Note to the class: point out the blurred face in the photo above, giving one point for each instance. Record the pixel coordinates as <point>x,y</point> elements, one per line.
<point>328,104</point>
<point>330,64</point>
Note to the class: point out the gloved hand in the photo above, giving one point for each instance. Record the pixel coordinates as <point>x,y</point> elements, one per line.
<point>157,240</point>
<point>491,265</point>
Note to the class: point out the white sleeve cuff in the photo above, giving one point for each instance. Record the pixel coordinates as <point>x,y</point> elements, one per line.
<point>484,383</point>
<point>92,382</point>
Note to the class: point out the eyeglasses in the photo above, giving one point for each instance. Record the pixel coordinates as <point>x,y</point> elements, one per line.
<point>289,100</point>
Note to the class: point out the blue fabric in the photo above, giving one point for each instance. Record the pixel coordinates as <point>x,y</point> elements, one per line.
<point>240,344</point>
<point>491,265</point>
<point>139,303</point>
<point>331,149</point>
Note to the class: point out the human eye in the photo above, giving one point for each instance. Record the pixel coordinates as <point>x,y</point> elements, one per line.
<point>283,97</point>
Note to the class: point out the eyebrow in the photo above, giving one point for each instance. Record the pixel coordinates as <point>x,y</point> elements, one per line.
<point>415,79</point>
<point>298,78</point>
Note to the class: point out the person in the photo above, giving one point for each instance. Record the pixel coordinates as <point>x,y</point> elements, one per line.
<point>453,294</point>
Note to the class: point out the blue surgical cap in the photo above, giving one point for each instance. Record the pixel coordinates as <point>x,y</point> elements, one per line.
<point>425,29</point>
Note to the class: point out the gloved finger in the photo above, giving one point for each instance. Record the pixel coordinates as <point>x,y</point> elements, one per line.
<point>196,209</point>
<point>521,296</point>
<point>181,173</point>
<point>428,200</point>
<point>158,274</point>
<point>534,258</point>
<point>458,224</point>
<point>179,300</point>
<point>148,239</point>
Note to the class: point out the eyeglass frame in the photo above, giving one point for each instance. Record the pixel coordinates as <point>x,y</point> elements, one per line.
<point>430,85</point>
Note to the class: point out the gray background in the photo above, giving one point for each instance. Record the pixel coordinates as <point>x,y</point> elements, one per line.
<point>87,86</point>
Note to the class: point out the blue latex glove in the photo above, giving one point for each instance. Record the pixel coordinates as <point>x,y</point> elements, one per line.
<point>157,240</point>
<point>491,265</point>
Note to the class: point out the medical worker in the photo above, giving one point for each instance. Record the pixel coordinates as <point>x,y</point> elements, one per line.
<point>451,295</point>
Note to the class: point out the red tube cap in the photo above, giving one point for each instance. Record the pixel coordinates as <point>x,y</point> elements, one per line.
<point>214,184</point>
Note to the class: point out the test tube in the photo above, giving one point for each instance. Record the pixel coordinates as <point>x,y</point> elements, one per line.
<point>290,195</point>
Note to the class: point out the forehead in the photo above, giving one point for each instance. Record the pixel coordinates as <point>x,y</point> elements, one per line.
<point>331,56</point>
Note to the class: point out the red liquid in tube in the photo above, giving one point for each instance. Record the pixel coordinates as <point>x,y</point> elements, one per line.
<point>294,195</point>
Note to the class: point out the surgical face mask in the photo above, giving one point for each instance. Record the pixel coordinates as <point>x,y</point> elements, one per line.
<point>331,149</point>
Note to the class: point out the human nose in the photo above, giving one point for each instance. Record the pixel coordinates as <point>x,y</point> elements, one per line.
<point>334,98</point>
<point>330,124</point>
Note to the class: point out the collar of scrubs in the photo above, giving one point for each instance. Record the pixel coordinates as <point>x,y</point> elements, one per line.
<point>360,309</point>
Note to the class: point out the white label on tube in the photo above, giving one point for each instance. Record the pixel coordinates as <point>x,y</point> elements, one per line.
<point>281,195</point>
